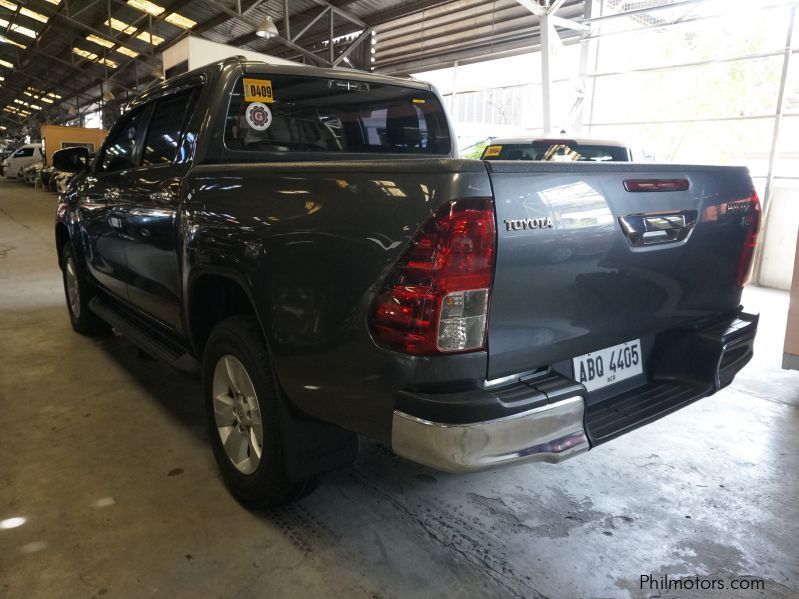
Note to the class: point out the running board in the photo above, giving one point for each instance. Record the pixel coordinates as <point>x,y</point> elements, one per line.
<point>147,340</point>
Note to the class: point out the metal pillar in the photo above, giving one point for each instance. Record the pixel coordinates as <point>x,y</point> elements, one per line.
<point>546,10</point>
<point>775,137</point>
<point>546,76</point>
<point>589,54</point>
<point>454,92</point>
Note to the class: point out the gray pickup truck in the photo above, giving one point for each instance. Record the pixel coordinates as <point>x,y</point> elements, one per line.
<point>308,242</point>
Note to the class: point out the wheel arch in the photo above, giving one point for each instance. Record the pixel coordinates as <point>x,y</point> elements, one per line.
<point>213,296</point>
<point>61,238</point>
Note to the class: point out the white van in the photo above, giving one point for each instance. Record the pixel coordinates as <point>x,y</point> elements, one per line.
<point>23,156</point>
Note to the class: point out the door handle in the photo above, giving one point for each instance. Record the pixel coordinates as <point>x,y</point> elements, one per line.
<point>654,229</point>
<point>112,194</point>
<point>162,196</point>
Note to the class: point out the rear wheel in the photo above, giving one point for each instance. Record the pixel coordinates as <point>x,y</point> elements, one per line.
<point>79,293</point>
<point>244,417</point>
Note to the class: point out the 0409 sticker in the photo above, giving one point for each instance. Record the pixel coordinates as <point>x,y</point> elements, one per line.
<point>257,90</point>
<point>258,116</point>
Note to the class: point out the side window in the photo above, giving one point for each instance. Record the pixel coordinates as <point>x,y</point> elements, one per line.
<point>23,153</point>
<point>120,150</point>
<point>166,124</point>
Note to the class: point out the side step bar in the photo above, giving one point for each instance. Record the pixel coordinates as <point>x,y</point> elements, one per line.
<point>146,339</point>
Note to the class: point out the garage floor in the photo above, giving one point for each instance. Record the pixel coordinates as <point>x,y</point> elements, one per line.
<point>103,454</point>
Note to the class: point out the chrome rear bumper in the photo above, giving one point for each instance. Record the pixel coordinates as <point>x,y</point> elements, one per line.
<point>550,433</point>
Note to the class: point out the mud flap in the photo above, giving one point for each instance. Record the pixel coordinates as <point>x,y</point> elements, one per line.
<point>311,447</point>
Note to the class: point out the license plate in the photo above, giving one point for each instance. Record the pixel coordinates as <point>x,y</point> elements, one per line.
<point>610,365</point>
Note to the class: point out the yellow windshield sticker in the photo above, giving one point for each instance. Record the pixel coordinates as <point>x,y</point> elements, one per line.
<point>418,101</point>
<point>257,90</point>
<point>492,151</point>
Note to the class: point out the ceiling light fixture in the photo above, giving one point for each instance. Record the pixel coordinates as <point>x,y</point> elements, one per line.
<point>267,29</point>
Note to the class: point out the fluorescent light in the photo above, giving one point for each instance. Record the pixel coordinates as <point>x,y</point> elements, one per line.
<point>84,53</point>
<point>5,40</point>
<point>18,28</point>
<point>108,62</point>
<point>147,6</point>
<point>6,64</point>
<point>32,14</point>
<point>120,26</point>
<point>126,51</point>
<point>34,106</point>
<point>180,21</point>
<point>145,37</point>
<point>41,98</point>
<point>99,41</point>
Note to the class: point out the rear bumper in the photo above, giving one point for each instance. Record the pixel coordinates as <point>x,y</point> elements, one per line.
<point>551,418</point>
<point>550,433</point>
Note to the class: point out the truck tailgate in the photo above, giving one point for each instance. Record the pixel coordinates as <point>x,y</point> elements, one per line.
<point>584,264</point>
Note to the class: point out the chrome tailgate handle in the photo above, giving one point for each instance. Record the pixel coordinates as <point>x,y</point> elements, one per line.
<point>654,229</point>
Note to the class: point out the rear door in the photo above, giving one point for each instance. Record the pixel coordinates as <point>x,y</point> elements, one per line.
<point>583,264</point>
<point>150,205</point>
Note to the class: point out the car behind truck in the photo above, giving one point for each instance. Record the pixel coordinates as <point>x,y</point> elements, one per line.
<point>307,241</point>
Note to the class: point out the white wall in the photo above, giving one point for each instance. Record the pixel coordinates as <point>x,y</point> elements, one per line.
<point>778,236</point>
<point>201,52</point>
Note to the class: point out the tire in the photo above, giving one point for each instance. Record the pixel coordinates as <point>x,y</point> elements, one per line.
<point>239,393</point>
<point>78,293</point>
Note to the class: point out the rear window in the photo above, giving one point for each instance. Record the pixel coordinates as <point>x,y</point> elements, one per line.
<point>283,114</point>
<point>556,151</point>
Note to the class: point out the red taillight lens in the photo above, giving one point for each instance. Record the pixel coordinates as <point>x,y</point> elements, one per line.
<point>436,297</point>
<point>750,242</point>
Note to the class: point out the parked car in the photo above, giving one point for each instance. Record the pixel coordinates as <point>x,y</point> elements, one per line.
<point>29,174</point>
<point>4,154</point>
<point>305,240</point>
<point>563,150</point>
<point>25,155</point>
<point>45,176</point>
<point>62,181</point>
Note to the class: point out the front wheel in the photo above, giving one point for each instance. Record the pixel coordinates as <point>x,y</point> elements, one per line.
<point>79,293</point>
<point>244,417</point>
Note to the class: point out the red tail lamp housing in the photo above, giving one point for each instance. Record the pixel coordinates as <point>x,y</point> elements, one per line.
<point>750,242</point>
<point>435,299</point>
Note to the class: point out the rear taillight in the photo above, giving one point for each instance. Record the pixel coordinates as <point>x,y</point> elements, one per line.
<point>752,227</point>
<point>435,299</point>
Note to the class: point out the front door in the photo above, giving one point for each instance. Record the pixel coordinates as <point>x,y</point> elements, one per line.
<point>100,196</point>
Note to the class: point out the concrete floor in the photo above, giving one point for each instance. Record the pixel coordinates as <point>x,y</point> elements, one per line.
<point>103,454</point>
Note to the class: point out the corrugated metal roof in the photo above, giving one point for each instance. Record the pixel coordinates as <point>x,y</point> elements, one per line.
<point>409,34</point>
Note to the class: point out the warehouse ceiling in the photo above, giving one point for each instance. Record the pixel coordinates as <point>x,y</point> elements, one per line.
<point>60,59</point>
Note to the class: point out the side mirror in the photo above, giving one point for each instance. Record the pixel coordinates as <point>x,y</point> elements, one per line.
<point>71,160</point>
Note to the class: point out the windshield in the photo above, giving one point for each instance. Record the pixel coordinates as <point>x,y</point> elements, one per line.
<point>557,151</point>
<point>285,114</point>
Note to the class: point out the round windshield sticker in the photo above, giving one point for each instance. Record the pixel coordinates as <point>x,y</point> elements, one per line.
<point>258,116</point>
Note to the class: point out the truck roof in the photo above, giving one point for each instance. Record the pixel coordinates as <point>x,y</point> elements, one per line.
<point>258,67</point>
